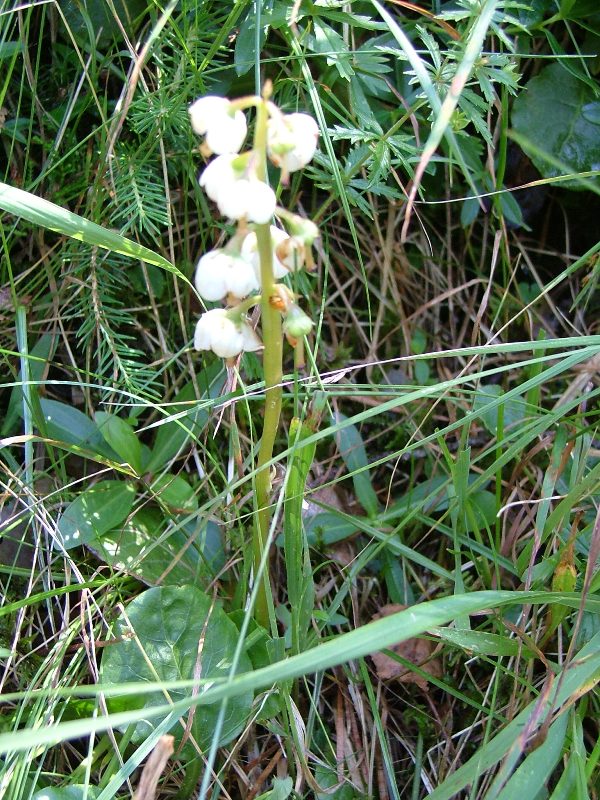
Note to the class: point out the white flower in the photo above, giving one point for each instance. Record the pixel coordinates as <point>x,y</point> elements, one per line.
<point>237,196</point>
<point>248,198</point>
<point>291,140</point>
<point>219,273</point>
<point>225,129</point>
<point>288,254</point>
<point>218,175</point>
<point>217,332</point>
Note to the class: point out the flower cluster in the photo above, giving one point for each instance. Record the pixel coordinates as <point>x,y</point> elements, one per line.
<point>233,182</point>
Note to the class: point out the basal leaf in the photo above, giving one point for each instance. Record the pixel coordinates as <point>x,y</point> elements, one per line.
<point>553,117</point>
<point>191,416</point>
<point>169,623</point>
<point>73,792</point>
<point>150,550</point>
<point>353,452</point>
<point>95,511</point>
<point>175,492</point>
<point>121,438</point>
<point>70,426</point>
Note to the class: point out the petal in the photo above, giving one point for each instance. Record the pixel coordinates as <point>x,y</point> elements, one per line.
<point>262,202</point>
<point>218,176</point>
<point>203,111</point>
<point>226,133</point>
<point>210,277</point>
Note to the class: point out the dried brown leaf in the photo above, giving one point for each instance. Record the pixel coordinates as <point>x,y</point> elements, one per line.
<point>417,651</point>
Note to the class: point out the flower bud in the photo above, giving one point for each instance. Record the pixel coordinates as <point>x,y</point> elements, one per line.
<point>296,323</point>
<point>287,256</point>
<point>225,129</point>
<point>291,140</point>
<point>220,273</point>
<point>302,229</point>
<point>237,196</point>
<point>216,331</point>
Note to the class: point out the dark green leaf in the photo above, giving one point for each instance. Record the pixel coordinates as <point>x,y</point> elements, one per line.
<point>74,792</point>
<point>175,492</point>
<point>40,354</point>
<point>549,115</point>
<point>353,452</point>
<point>169,623</point>
<point>150,550</point>
<point>95,511</point>
<point>121,438</point>
<point>245,52</point>
<point>192,415</point>
<point>515,409</point>
<point>67,425</point>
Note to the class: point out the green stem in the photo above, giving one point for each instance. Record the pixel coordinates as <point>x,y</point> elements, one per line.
<point>272,365</point>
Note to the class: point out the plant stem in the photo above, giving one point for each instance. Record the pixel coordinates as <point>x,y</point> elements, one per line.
<point>272,366</point>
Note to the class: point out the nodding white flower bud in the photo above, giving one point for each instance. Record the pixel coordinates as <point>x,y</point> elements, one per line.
<point>291,140</point>
<point>224,128</point>
<point>237,196</point>
<point>296,323</point>
<point>302,229</point>
<point>288,255</point>
<point>218,175</point>
<point>217,332</point>
<point>220,273</point>
<point>251,198</point>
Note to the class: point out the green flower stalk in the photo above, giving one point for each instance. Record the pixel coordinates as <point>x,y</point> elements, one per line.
<point>254,260</point>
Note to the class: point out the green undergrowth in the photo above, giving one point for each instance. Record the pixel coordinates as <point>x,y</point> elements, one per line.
<point>436,479</point>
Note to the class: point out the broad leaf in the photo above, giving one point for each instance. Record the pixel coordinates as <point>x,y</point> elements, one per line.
<point>191,417</point>
<point>515,409</point>
<point>555,115</point>
<point>179,632</point>
<point>154,553</point>
<point>175,492</point>
<point>74,792</point>
<point>121,438</point>
<point>67,425</point>
<point>95,511</point>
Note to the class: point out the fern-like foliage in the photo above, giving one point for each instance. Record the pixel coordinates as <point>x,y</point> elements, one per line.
<point>109,331</point>
<point>138,204</point>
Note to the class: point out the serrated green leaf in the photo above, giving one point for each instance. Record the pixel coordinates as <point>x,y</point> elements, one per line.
<point>95,511</point>
<point>169,622</point>
<point>329,43</point>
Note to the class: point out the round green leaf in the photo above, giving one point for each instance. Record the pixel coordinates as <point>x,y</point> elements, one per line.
<point>556,116</point>
<point>153,552</point>
<point>169,622</point>
<point>95,511</point>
